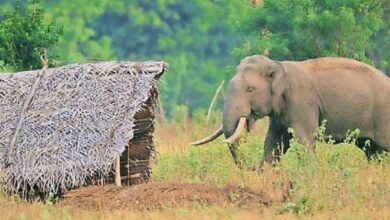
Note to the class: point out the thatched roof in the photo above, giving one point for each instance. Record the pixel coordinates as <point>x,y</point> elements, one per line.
<point>79,119</point>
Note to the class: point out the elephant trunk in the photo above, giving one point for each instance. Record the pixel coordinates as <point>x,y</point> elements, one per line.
<point>234,119</point>
<point>236,135</point>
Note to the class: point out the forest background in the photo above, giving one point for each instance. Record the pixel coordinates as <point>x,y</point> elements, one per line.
<point>202,40</point>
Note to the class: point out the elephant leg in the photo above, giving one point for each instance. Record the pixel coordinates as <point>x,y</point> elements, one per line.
<point>371,150</point>
<point>276,142</point>
<point>382,139</point>
<point>304,131</point>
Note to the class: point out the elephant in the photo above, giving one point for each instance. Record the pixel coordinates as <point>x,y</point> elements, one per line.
<point>348,94</point>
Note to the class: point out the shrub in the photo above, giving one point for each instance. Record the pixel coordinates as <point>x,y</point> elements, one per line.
<point>22,32</point>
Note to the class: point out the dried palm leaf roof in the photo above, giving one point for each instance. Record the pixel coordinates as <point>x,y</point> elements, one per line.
<point>79,119</point>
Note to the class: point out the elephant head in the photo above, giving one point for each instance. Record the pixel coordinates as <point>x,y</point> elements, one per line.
<point>255,91</point>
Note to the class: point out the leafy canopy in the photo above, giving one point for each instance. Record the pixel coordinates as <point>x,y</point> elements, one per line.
<point>303,29</point>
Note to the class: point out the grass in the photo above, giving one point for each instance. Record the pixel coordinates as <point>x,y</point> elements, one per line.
<point>336,182</point>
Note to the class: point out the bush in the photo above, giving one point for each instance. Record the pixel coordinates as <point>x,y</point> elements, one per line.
<point>22,32</point>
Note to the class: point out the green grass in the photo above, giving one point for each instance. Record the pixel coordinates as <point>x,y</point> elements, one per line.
<point>337,177</point>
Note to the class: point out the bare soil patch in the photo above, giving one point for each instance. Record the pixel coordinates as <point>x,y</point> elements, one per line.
<point>157,195</point>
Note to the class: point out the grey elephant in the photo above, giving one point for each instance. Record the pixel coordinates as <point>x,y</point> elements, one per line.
<point>346,93</point>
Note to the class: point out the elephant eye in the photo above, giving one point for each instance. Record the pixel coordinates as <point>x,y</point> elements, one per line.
<point>250,89</point>
<point>271,74</point>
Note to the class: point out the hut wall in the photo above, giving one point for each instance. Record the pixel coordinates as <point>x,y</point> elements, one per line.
<point>137,158</point>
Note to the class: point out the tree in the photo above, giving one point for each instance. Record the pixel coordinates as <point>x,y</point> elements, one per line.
<point>193,36</point>
<point>23,31</point>
<point>310,28</point>
<point>80,42</point>
<point>380,52</point>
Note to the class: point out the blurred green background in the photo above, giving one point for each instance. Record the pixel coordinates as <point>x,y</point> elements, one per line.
<point>202,40</point>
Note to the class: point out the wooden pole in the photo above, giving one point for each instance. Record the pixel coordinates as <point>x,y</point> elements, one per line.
<point>118,181</point>
<point>214,100</point>
<point>161,110</point>
<point>45,64</point>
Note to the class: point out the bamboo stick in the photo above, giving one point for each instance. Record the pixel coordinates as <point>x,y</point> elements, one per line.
<point>118,181</point>
<point>214,100</point>
<point>25,106</point>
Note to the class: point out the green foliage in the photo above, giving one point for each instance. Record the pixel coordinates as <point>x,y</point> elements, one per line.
<point>251,150</point>
<point>192,36</point>
<point>201,38</point>
<point>80,42</point>
<point>310,28</point>
<point>330,168</point>
<point>380,52</point>
<point>196,166</point>
<point>22,32</point>
<point>180,113</point>
<point>51,199</point>
<point>199,116</point>
<point>300,207</point>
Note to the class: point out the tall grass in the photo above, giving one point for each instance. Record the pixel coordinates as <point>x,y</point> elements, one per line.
<point>336,182</point>
<point>335,178</point>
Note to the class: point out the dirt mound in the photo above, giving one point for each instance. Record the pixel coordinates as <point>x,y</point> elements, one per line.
<point>159,195</point>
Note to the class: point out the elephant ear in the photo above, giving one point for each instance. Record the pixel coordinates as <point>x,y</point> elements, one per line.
<point>278,76</point>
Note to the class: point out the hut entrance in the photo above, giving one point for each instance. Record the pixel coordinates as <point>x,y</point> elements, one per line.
<point>135,162</point>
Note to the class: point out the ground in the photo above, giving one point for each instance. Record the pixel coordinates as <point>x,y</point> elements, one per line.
<point>159,195</point>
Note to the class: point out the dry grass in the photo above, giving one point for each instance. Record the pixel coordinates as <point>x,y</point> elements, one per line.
<point>336,183</point>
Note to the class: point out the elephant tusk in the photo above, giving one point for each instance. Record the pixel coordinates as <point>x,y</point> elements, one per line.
<point>213,136</point>
<point>237,132</point>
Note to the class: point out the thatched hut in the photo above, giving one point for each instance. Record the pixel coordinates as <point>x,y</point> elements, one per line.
<point>63,127</point>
